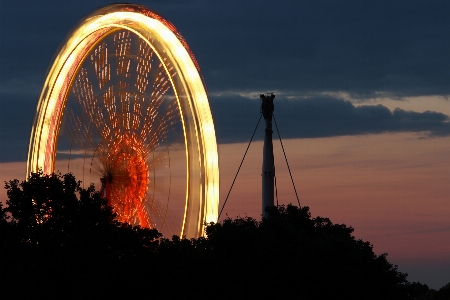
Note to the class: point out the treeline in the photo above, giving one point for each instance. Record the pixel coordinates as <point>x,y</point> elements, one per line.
<point>58,240</point>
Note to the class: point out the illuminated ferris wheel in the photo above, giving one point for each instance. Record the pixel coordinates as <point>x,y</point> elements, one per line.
<point>124,106</point>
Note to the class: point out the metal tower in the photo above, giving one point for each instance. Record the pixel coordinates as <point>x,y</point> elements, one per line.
<point>268,172</point>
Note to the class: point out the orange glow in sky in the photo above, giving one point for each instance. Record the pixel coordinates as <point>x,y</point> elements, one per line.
<point>392,188</point>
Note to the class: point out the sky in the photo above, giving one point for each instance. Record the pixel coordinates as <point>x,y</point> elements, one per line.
<point>362,105</point>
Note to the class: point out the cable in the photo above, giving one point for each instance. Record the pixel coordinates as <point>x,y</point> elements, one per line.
<point>275,179</point>
<point>282,147</point>
<point>242,161</point>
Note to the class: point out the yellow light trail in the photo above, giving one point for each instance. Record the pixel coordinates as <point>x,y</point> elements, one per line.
<point>202,195</point>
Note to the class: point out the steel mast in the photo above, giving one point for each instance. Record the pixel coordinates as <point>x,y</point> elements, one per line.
<point>268,171</point>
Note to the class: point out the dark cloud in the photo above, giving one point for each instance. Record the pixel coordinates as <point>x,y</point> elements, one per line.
<point>236,117</point>
<point>300,48</point>
<point>360,47</point>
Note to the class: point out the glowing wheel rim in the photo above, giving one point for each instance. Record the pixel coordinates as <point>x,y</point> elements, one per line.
<point>202,175</point>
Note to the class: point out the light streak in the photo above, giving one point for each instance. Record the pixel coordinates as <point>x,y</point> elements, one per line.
<point>162,39</point>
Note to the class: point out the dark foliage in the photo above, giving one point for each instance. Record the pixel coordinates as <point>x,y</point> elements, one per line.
<point>58,240</point>
<point>442,294</point>
<point>61,239</point>
<point>289,253</point>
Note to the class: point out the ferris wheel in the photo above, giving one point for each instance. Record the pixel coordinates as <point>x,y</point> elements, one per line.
<point>124,106</point>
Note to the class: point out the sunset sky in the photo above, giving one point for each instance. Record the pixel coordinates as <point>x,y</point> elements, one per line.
<point>361,102</point>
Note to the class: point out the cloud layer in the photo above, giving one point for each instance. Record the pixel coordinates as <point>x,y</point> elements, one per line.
<point>360,47</point>
<point>237,116</point>
<point>364,49</point>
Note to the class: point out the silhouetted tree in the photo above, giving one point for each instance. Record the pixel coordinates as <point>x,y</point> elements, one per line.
<point>291,254</point>
<point>55,208</point>
<point>57,238</point>
<point>62,235</point>
<point>442,294</point>
<point>417,290</point>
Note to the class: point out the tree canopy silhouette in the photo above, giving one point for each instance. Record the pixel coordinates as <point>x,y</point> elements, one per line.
<point>57,238</point>
<point>55,209</point>
<point>54,231</point>
<point>290,254</point>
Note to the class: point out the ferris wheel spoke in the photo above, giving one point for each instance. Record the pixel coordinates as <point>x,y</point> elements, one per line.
<point>144,65</point>
<point>109,103</point>
<point>99,59</point>
<point>122,42</point>
<point>158,216</point>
